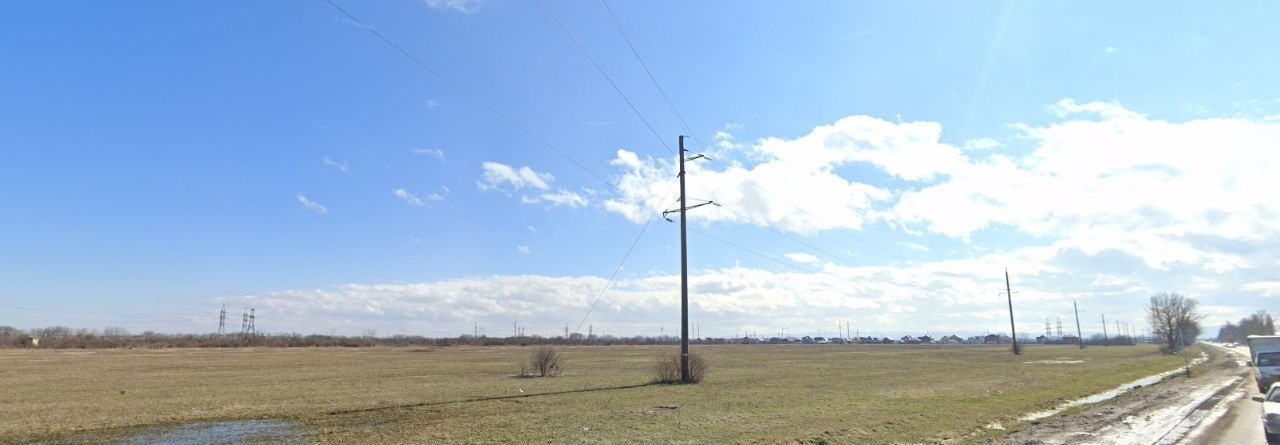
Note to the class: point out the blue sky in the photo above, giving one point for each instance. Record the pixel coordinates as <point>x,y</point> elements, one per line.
<point>161,159</point>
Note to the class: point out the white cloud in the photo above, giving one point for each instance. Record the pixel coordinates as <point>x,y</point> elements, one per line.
<point>431,103</point>
<point>340,166</point>
<point>432,152</point>
<point>795,184</point>
<point>1105,205</point>
<point>1193,197</point>
<point>462,6</point>
<point>1102,177</point>
<point>423,200</point>
<point>725,142</point>
<point>1268,288</point>
<point>534,187</point>
<point>1116,179</point>
<point>564,198</point>
<point>1109,50</point>
<point>312,205</point>
<point>1108,110</point>
<point>941,296</point>
<point>801,257</point>
<point>981,144</point>
<point>524,249</point>
<point>916,246</point>
<point>498,176</point>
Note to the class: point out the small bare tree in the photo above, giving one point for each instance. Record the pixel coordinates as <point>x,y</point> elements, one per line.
<point>1173,317</point>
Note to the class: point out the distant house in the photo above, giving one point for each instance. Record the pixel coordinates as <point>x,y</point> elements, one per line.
<point>991,339</point>
<point>886,340</point>
<point>926,339</point>
<point>1042,339</point>
<point>1070,339</point>
<point>806,339</point>
<point>31,341</point>
<point>909,340</point>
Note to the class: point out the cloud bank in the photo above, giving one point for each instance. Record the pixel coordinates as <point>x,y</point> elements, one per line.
<point>1110,205</point>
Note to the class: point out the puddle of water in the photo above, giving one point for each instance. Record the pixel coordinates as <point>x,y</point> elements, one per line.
<point>1111,393</point>
<point>214,433</point>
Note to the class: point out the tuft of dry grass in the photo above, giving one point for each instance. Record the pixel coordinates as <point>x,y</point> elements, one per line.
<point>760,393</point>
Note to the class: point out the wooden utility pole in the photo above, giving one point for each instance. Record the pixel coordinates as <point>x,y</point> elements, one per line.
<point>1013,330</point>
<point>1105,340</point>
<point>1079,333</point>
<point>684,278</point>
<point>684,264</point>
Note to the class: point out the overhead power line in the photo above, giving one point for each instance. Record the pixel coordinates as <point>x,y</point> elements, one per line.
<point>547,144</point>
<point>526,130</point>
<point>458,89</point>
<point>618,25</point>
<point>614,276</point>
<point>600,69</point>
<point>680,117</point>
<point>749,250</point>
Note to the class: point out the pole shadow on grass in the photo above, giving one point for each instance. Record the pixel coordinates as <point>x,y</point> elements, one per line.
<point>487,399</point>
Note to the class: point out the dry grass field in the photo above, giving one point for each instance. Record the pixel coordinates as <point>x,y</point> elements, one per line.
<point>753,394</point>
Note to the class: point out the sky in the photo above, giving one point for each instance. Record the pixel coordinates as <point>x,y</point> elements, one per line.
<point>444,167</point>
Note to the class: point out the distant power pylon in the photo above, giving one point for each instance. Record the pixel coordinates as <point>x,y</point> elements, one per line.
<point>222,320</point>
<point>252,330</point>
<point>244,321</point>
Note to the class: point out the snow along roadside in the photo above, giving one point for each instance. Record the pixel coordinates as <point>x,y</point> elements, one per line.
<point>1111,393</point>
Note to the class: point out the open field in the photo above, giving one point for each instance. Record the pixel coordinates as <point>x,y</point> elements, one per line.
<point>753,394</point>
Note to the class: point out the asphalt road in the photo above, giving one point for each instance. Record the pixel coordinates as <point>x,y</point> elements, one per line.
<point>1242,424</point>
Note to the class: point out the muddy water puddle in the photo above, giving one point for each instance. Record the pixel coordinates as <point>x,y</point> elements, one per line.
<point>210,433</point>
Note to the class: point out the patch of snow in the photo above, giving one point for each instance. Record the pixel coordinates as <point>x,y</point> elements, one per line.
<point>1054,362</point>
<point>1212,416</point>
<point>1163,426</point>
<point>995,426</point>
<point>1111,393</point>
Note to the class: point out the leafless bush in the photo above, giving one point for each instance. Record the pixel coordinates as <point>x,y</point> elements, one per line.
<point>666,369</point>
<point>545,362</point>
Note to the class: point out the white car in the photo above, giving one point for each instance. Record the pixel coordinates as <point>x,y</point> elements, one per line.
<point>1271,414</point>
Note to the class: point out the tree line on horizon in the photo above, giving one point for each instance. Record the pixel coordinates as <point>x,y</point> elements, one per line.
<point>1258,323</point>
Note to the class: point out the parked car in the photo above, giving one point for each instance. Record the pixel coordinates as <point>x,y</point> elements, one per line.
<point>1271,414</point>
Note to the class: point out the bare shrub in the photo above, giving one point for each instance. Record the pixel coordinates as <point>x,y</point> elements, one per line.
<point>545,362</point>
<point>666,369</point>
